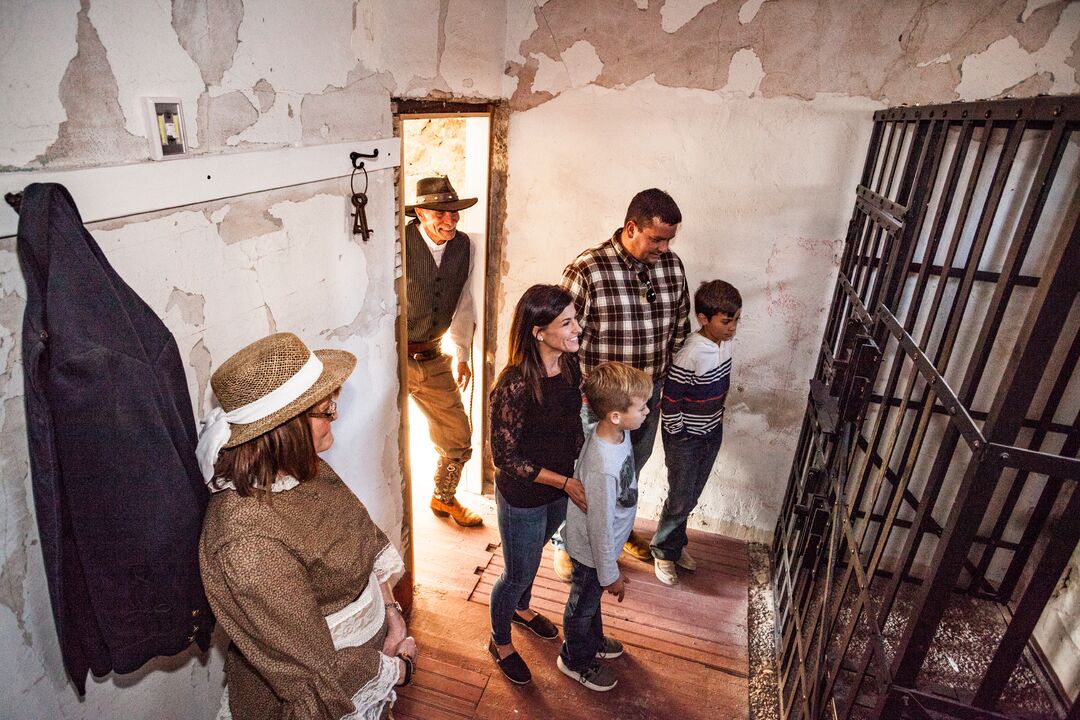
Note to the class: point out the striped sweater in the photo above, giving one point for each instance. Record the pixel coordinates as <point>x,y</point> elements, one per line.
<point>696,387</point>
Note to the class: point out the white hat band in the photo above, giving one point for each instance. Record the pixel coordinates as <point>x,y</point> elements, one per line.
<point>216,432</point>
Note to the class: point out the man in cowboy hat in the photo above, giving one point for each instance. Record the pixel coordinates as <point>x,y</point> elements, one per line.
<point>437,271</point>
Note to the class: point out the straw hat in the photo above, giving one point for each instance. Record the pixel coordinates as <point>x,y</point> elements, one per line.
<point>436,193</point>
<point>265,365</point>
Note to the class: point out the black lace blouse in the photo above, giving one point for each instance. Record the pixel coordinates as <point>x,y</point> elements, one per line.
<point>527,436</point>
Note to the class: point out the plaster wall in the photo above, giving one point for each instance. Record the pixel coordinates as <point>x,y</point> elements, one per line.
<point>219,274</point>
<point>755,116</point>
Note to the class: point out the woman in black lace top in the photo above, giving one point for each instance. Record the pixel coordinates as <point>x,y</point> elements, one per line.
<point>535,438</point>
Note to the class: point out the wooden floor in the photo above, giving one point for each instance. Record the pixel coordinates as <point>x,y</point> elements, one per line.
<point>686,647</point>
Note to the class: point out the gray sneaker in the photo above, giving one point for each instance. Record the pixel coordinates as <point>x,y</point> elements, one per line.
<point>612,649</point>
<point>597,677</point>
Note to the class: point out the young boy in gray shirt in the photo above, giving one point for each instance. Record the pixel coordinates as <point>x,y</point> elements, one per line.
<point>618,394</point>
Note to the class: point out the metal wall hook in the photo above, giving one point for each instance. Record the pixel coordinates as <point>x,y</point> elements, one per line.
<point>359,199</point>
<point>356,156</point>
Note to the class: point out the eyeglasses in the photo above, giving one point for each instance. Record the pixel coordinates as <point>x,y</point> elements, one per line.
<point>329,414</point>
<point>650,293</point>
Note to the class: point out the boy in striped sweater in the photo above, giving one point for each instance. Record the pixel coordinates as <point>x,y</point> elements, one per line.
<point>692,419</point>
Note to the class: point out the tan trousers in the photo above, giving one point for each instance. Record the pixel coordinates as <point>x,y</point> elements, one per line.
<point>432,386</point>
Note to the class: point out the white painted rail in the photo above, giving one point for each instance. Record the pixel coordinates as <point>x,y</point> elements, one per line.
<point>104,193</point>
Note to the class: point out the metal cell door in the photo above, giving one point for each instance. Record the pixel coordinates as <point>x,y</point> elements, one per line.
<point>932,504</point>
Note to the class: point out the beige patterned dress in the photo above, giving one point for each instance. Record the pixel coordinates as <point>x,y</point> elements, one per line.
<point>294,583</point>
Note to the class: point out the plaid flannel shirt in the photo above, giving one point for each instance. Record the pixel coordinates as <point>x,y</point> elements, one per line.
<point>618,322</point>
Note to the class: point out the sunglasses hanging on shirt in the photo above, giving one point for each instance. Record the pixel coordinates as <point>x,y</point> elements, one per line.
<point>650,292</point>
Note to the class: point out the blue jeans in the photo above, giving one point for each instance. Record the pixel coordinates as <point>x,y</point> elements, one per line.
<point>583,628</point>
<point>524,532</point>
<point>642,440</point>
<point>689,459</point>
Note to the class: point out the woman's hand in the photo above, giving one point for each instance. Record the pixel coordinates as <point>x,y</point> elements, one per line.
<point>395,631</point>
<point>576,492</point>
<point>408,647</point>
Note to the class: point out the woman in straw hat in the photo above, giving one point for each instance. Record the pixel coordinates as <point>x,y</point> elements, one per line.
<point>294,568</point>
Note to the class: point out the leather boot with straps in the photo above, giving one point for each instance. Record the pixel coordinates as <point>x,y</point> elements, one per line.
<point>462,515</point>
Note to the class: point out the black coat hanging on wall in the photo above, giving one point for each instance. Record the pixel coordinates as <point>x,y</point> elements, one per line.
<point>117,488</point>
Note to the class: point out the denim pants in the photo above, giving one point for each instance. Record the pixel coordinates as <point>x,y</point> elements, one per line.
<point>583,628</point>
<point>524,533</point>
<point>642,440</point>
<point>689,459</point>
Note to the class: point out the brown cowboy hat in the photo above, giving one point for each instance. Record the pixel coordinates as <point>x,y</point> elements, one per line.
<point>266,364</point>
<point>436,193</point>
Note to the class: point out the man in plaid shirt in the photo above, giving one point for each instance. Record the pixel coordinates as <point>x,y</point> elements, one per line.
<point>634,306</point>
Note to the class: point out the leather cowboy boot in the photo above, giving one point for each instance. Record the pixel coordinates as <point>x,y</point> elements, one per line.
<point>447,475</point>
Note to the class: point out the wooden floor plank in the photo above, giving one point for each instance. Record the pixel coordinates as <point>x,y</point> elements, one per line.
<point>686,645</point>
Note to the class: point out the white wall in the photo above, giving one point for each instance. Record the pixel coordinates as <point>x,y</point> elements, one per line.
<point>755,117</point>
<point>764,188</point>
<point>220,274</point>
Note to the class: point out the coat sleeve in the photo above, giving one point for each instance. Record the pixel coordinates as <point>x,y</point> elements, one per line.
<point>268,607</point>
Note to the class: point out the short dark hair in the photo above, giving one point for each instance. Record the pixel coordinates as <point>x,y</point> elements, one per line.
<point>717,296</point>
<point>253,466</point>
<point>652,203</point>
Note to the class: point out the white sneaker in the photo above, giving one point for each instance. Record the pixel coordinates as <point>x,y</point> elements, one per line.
<point>597,677</point>
<point>686,562</point>
<point>665,571</point>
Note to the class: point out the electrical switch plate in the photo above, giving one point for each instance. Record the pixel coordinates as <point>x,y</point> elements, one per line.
<point>165,128</point>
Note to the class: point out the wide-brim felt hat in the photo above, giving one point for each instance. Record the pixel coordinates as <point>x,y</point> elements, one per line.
<point>436,193</point>
<point>265,365</point>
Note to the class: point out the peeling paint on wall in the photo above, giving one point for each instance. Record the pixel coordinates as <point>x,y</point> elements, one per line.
<point>94,129</point>
<point>676,13</point>
<point>145,55</point>
<point>833,47</point>
<point>208,30</point>
<point>38,41</point>
<point>1005,64</point>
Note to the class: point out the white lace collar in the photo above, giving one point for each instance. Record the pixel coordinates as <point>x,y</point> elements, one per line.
<point>283,483</point>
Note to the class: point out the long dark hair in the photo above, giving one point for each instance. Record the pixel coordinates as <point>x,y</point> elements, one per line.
<point>537,308</point>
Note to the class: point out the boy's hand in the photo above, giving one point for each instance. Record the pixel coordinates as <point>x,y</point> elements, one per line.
<point>618,588</point>
<point>576,492</point>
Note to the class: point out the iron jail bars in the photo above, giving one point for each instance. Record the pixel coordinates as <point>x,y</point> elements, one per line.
<point>935,477</point>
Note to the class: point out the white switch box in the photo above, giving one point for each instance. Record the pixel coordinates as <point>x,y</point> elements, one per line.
<point>165,128</point>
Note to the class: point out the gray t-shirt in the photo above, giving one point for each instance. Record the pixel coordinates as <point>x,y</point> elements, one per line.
<point>596,538</point>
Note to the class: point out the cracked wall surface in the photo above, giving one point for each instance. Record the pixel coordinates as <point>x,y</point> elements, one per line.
<point>911,51</point>
<point>754,114</point>
<point>251,74</point>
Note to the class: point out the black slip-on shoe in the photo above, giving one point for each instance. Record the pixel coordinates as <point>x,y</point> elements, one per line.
<point>540,625</point>
<point>512,666</point>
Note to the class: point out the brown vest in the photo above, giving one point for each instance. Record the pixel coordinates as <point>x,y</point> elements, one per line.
<point>433,291</point>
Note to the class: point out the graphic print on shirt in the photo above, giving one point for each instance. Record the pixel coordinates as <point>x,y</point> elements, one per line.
<point>627,487</point>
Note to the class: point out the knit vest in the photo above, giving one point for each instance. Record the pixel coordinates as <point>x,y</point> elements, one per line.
<point>433,291</point>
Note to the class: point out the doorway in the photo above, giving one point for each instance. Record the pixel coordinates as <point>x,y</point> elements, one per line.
<point>454,140</point>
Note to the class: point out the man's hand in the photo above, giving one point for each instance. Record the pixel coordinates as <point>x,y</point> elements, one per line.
<point>464,375</point>
<point>618,588</point>
<point>576,492</point>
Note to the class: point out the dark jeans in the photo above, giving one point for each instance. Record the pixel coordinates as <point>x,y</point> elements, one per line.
<point>689,460</point>
<point>583,629</point>
<point>524,532</point>
<point>643,439</point>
